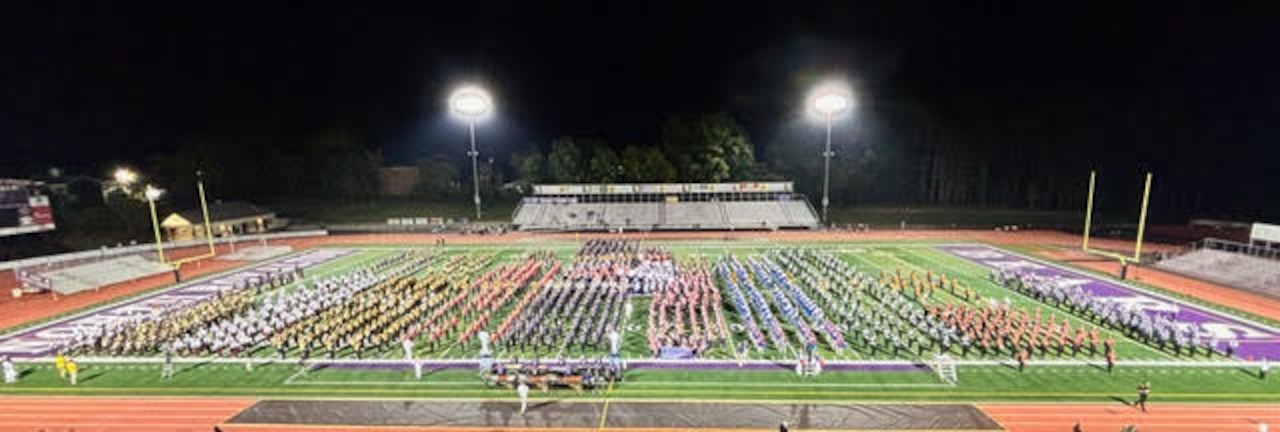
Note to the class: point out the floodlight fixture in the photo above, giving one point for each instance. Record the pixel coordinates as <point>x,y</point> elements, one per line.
<point>153,193</point>
<point>470,102</point>
<point>829,100</point>
<point>124,176</point>
<point>831,104</point>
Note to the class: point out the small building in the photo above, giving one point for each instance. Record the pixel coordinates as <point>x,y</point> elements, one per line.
<point>227,218</point>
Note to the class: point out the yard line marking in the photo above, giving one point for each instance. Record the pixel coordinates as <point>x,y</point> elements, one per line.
<point>604,412</point>
<point>301,370</point>
<point>635,384</point>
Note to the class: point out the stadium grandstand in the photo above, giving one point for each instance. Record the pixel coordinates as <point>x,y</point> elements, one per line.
<point>1253,266</point>
<point>92,274</point>
<point>74,272</point>
<point>665,206</point>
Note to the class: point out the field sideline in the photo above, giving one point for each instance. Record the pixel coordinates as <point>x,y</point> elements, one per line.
<point>1050,395</point>
<point>1080,379</point>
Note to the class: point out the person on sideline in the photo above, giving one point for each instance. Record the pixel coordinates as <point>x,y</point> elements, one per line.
<point>1144,392</point>
<point>60,363</point>
<point>10,372</point>
<point>523,391</point>
<point>166,373</point>
<point>73,370</point>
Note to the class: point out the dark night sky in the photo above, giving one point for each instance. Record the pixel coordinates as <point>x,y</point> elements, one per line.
<point>87,82</point>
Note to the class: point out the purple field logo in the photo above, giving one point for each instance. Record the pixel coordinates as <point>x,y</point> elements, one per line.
<point>42,340</point>
<point>1255,341</point>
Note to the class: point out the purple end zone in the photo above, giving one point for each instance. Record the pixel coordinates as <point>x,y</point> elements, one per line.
<point>1256,341</point>
<point>43,339</point>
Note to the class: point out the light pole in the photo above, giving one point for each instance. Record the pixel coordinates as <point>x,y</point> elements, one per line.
<point>152,194</point>
<point>828,105</point>
<point>471,103</point>
<point>204,208</point>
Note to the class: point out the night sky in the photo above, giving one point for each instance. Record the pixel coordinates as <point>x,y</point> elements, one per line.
<point>89,84</point>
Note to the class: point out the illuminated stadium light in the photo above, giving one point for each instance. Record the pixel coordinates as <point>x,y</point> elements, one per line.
<point>152,193</point>
<point>830,104</point>
<point>470,102</point>
<point>125,176</point>
<point>829,100</point>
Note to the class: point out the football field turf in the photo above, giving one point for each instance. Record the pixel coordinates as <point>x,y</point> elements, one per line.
<point>974,383</point>
<point>1065,377</point>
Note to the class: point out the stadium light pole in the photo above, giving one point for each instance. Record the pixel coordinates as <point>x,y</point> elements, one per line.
<point>152,194</point>
<point>829,105</point>
<point>471,103</point>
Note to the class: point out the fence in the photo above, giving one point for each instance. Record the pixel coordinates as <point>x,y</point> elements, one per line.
<point>1260,250</point>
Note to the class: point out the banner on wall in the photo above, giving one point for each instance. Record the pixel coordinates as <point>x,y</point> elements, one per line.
<point>661,188</point>
<point>1265,232</point>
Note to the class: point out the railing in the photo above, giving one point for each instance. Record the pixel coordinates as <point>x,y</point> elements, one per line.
<point>519,205</point>
<point>1268,251</point>
<point>805,199</point>
<point>146,248</point>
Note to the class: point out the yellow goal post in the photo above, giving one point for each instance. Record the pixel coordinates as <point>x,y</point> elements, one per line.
<point>1142,221</point>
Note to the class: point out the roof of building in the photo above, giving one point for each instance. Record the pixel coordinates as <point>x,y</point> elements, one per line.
<point>220,211</point>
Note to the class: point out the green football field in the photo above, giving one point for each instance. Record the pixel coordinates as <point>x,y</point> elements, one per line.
<point>1190,379</point>
<point>974,383</point>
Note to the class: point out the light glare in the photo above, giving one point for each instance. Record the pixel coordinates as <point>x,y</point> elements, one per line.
<point>125,176</point>
<point>831,103</point>
<point>829,99</point>
<point>470,102</point>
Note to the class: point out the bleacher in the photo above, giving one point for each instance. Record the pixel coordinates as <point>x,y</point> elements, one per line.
<point>692,206</point>
<point>631,214</point>
<point>799,213</point>
<point>92,275</point>
<point>1261,275</point>
<point>694,215</point>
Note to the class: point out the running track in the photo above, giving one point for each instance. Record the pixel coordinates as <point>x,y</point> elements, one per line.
<point>119,414</point>
<point>84,414</point>
<point>1114,416</point>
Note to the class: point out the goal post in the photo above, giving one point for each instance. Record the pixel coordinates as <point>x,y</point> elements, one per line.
<point>1142,221</point>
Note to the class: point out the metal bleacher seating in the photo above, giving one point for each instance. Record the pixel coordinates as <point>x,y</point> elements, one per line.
<point>715,206</point>
<point>97,274</point>
<point>631,214</point>
<point>694,215</point>
<point>1251,273</point>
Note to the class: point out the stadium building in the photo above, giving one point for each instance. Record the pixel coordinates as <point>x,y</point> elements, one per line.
<point>665,206</point>
<point>226,218</point>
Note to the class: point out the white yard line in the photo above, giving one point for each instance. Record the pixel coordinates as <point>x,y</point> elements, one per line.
<point>693,364</point>
<point>301,371</point>
<point>641,384</point>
